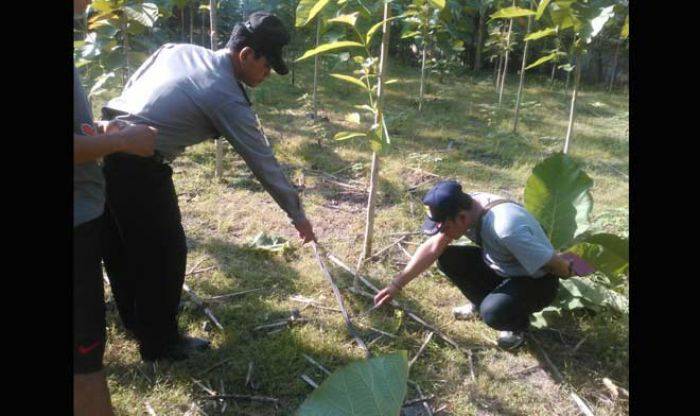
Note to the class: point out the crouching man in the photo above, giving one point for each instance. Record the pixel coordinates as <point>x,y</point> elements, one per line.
<point>513,271</point>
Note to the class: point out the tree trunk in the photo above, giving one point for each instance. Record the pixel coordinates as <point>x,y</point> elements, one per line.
<point>182,24</point>
<point>551,78</point>
<point>422,77</point>
<point>497,75</point>
<point>204,28</point>
<point>479,43</point>
<point>191,23</point>
<point>614,67</point>
<point>125,45</point>
<point>505,61</point>
<point>522,75</point>
<point>379,120</point>
<point>318,39</point>
<point>572,111</point>
<point>213,43</point>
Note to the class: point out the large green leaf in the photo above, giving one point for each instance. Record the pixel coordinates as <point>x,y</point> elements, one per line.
<point>348,19</point>
<point>438,4</point>
<point>144,13</point>
<point>625,32</point>
<point>557,194</point>
<point>512,12</point>
<point>542,60</point>
<point>351,80</point>
<point>541,33</point>
<point>376,27</point>
<point>541,8</point>
<point>307,10</point>
<point>606,252</point>
<point>329,47</point>
<point>595,295</point>
<point>104,6</point>
<point>374,387</point>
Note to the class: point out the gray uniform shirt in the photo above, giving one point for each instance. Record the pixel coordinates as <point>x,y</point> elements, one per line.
<point>512,240</point>
<point>88,182</point>
<point>191,94</point>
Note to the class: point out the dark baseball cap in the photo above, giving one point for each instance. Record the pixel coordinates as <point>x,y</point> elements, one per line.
<point>266,34</point>
<point>442,202</point>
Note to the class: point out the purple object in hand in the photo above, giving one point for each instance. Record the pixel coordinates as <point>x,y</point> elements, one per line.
<point>579,266</point>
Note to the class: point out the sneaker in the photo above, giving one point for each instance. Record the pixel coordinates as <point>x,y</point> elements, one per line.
<point>464,312</point>
<point>510,340</point>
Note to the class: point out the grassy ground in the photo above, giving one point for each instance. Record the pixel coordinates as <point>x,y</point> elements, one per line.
<point>221,217</point>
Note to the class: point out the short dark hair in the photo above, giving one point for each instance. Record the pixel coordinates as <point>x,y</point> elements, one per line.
<point>240,38</point>
<point>465,202</point>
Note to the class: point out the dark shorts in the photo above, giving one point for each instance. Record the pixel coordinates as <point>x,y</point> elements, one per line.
<point>88,298</point>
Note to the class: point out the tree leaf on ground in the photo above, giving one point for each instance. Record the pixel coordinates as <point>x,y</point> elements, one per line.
<point>374,387</point>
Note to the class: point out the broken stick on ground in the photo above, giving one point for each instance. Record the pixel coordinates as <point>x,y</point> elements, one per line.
<point>202,305</point>
<point>339,299</point>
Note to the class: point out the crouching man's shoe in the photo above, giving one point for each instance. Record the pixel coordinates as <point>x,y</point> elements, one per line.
<point>465,312</point>
<point>510,340</point>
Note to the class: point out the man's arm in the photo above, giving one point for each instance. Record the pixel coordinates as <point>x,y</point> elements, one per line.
<point>236,122</point>
<point>135,139</point>
<point>426,254</point>
<point>559,266</point>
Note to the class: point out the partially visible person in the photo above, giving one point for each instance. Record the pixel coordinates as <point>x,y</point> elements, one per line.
<point>90,143</point>
<point>511,273</point>
<point>191,94</point>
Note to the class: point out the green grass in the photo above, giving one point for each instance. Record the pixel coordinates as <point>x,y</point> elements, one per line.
<point>221,217</point>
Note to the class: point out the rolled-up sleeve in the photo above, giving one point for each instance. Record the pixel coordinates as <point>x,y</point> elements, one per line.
<point>236,122</point>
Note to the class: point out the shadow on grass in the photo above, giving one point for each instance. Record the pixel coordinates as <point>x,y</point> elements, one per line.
<point>277,357</point>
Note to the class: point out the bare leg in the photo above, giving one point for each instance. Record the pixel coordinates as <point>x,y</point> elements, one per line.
<point>91,395</point>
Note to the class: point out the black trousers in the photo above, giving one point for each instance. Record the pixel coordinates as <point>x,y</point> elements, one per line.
<point>88,298</point>
<point>145,251</point>
<point>504,304</point>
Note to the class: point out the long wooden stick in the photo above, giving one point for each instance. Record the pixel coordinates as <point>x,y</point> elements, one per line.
<point>559,377</point>
<point>339,299</point>
<point>380,252</point>
<point>201,304</point>
<point>422,347</point>
<point>317,364</point>
<point>262,399</point>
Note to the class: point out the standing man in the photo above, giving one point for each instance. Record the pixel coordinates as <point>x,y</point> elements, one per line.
<point>190,94</point>
<point>90,392</point>
<point>512,273</point>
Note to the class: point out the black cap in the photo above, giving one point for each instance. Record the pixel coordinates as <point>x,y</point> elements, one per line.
<point>443,201</point>
<point>266,34</point>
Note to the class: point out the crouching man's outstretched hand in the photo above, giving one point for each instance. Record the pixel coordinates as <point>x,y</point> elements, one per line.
<point>386,295</point>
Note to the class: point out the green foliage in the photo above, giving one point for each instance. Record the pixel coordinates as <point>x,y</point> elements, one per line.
<point>542,33</point>
<point>307,10</point>
<point>512,12</point>
<point>327,47</point>
<point>557,194</point>
<point>374,387</point>
<point>274,244</point>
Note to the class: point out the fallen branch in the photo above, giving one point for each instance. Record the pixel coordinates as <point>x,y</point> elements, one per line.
<point>414,401</point>
<point>262,399</point>
<point>339,299</point>
<point>317,364</point>
<point>230,295</point>
<point>202,260</point>
<point>312,302</point>
<point>425,404</point>
<point>309,381</point>
<point>286,322</point>
<point>559,378</point>
<point>422,347</point>
<point>378,253</point>
<point>206,269</point>
<point>409,255</point>
<point>215,366</point>
<point>201,304</point>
